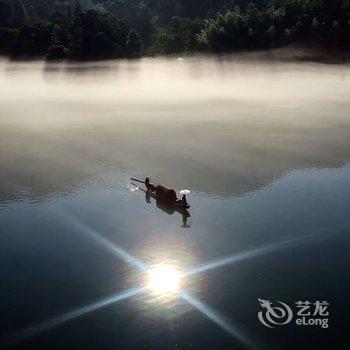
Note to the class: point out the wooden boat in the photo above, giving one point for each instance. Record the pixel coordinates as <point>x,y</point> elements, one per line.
<point>164,194</point>
<point>177,203</point>
<point>165,203</point>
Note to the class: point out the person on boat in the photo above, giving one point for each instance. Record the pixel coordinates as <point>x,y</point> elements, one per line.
<point>184,200</point>
<point>149,185</point>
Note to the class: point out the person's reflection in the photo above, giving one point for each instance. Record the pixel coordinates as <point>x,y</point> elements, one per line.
<point>170,209</point>
<point>148,197</point>
<point>184,220</point>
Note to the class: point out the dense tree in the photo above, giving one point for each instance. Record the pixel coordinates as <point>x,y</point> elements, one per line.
<point>43,8</point>
<point>179,35</point>
<point>133,43</point>
<point>18,14</point>
<point>56,52</point>
<point>88,29</point>
<point>5,14</point>
<point>13,14</point>
<point>33,40</point>
<point>99,34</point>
<point>8,38</point>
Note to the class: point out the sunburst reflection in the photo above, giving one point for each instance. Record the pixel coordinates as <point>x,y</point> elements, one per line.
<point>218,319</point>
<point>112,247</point>
<point>56,321</point>
<point>163,279</point>
<point>255,252</point>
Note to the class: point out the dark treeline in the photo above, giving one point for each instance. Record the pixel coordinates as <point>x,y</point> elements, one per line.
<point>90,29</point>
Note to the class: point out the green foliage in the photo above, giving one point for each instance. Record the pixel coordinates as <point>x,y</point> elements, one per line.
<point>43,8</point>
<point>85,34</point>
<point>8,37</point>
<point>89,29</point>
<point>13,13</point>
<point>178,36</point>
<point>33,40</point>
<point>138,17</point>
<point>99,34</point>
<point>5,13</point>
<point>133,43</point>
<point>18,14</point>
<point>56,52</point>
<point>276,23</point>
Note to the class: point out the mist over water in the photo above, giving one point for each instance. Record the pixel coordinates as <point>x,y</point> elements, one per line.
<point>242,121</point>
<point>262,144</point>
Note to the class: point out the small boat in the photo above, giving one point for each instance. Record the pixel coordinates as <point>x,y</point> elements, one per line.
<point>164,194</point>
<point>179,203</point>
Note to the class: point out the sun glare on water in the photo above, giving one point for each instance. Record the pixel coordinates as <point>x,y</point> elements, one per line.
<point>164,279</point>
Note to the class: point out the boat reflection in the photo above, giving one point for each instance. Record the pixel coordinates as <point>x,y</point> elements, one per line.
<point>164,206</point>
<point>169,209</point>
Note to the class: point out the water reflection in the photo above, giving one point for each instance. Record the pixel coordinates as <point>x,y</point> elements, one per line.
<point>35,330</point>
<point>169,209</point>
<point>233,132</point>
<point>232,128</point>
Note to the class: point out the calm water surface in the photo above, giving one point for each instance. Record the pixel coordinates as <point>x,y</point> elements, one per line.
<point>263,146</point>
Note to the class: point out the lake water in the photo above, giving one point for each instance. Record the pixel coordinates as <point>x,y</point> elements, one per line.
<point>264,147</point>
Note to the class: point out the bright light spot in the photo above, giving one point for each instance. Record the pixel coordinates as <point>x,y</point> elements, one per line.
<point>164,279</point>
<point>133,187</point>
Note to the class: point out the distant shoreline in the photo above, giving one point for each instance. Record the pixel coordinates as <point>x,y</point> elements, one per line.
<point>289,53</point>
